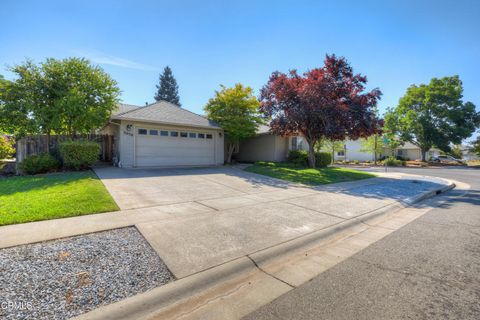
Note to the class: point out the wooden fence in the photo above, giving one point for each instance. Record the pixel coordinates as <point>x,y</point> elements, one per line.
<point>31,145</point>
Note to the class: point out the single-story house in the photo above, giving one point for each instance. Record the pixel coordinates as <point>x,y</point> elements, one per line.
<point>266,146</point>
<point>163,134</point>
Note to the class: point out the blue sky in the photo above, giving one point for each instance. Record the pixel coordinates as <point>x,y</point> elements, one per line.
<point>208,43</point>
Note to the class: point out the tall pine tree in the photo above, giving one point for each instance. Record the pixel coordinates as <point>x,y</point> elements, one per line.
<point>167,90</point>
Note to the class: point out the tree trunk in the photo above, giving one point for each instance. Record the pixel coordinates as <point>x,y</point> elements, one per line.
<point>48,141</point>
<point>311,154</point>
<point>230,149</point>
<point>333,155</point>
<point>424,155</point>
<point>375,151</point>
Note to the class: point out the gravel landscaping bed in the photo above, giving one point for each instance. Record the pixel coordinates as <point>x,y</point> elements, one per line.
<point>64,278</point>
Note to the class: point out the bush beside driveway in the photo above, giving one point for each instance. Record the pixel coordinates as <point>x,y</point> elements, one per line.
<point>51,196</point>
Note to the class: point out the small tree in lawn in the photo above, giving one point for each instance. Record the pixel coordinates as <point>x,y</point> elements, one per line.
<point>433,115</point>
<point>323,103</point>
<point>167,89</point>
<point>373,144</point>
<point>236,111</point>
<point>330,146</point>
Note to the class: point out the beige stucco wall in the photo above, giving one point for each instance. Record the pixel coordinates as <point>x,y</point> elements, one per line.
<point>127,140</point>
<point>266,147</point>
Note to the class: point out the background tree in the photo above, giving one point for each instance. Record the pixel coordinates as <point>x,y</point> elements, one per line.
<point>475,146</point>
<point>6,148</point>
<point>68,96</point>
<point>391,141</point>
<point>331,146</point>
<point>433,115</point>
<point>374,145</point>
<point>236,111</point>
<point>167,90</point>
<point>325,103</point>
<point>456,151</point>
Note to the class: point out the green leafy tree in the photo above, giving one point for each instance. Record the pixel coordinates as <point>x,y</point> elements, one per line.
<point>331,146</point>
<point>374,145</point>
<point>167,89</point>
<point>68,96</point>
<point>433,115</point>
<point>475,146</point>
<point>236,110</point>
<point>391,142</point>
<point>456,151</point>
<point>6,147</point>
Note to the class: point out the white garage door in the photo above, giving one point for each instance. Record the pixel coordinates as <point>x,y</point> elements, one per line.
<point>162,147</point>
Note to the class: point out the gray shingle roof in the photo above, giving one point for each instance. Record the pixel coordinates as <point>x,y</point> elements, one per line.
<point>122,107</point>
<point>167,113</point>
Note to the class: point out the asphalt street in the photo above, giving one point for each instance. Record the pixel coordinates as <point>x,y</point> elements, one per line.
<point>429,269</point>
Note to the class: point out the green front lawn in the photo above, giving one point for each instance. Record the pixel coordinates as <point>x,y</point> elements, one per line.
<point>307,176</point>
<point>51,196</point>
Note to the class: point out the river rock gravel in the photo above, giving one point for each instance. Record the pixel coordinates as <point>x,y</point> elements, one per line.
<point>63,278</point>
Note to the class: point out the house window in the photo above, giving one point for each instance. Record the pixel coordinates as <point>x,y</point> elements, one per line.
<point>192,134</point>
<point>400,152</point>
<point>142,131</point>
<point>209,136</point>
<point>153,132</point>
<point>173,133</point>
<point>201,136</point>
<point>183,134</point>
<point>164,133</point>
<point>341,153</point>
<point>294,143</point>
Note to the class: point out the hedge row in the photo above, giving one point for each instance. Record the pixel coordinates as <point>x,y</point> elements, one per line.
<point>300,158</point>
<point>74,155</point>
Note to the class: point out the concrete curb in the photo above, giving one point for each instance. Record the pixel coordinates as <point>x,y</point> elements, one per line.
<point>149,304</point>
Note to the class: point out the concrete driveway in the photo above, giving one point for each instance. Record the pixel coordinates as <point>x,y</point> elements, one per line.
<point>220,188</point>
<point>223,213</point>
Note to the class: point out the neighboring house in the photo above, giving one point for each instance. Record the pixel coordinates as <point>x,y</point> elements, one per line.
<point>468,154</point>
<point>163,134</point>
<point>266,146</point>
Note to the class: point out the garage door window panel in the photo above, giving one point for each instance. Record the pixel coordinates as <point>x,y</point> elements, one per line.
<point>192,134</point>
<point>201,136</point>
<point>173,133</point>
<point>142,131</point>
<point>209,136</point>
<point>153,132</point>
<point>164,133</point>
<point>183,134</point>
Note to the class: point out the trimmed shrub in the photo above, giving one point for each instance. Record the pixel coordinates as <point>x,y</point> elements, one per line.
<point>356,161</point>
<point>39,163</point>
<point>78,155</point>
<point>392,162</point>
<point>322,159</point>
<point>298,157</point>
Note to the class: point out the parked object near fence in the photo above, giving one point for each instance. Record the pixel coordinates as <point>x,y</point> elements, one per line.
<point>32,145</point>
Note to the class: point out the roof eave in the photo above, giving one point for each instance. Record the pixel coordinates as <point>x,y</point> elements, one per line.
<point>166,123</point>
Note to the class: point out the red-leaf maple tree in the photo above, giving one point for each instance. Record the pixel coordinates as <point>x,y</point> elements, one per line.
<point>325,103</point>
